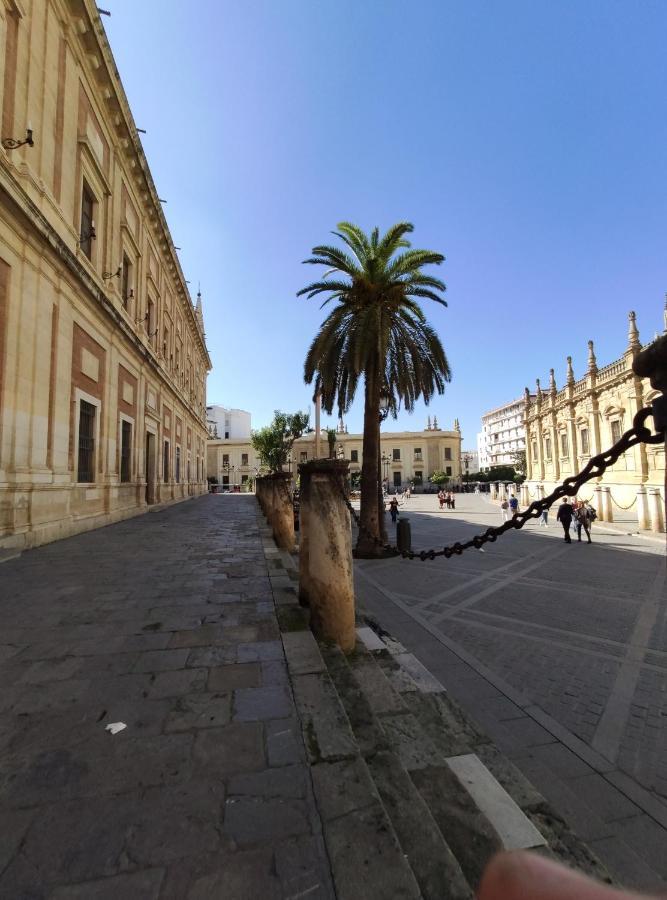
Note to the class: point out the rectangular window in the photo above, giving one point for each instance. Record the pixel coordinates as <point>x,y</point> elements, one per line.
<point>448,452</point>
<point>585,448</point>
<point>534,451</point>
<point>615,430</point>
<point>126,451</point>
<point>397,479</point>
<point>396,455</point>
<point>87,217</point>
<point>244,459</point>
<point>354,456</point>
<point>165,462</point>
<point>225,459</point>
<point>563,443</point>
<point>178,464</point>
<point>547,447</point>
<point>86,462</point>
<point>448,470</point>
<point>303,456</point>
<point>418,453</point>
<point>126,281</point>
<point>226,435</point>
<point>419,475</point>
<point>150,321</point>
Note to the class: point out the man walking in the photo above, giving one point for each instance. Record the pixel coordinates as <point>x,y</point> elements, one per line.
<point>514,505</point>
<point>565,513</point>
<point>584,515</point>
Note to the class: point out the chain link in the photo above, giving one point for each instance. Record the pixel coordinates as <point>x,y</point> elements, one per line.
<point>596,466</point>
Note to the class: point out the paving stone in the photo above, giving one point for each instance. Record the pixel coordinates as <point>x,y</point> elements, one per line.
<point>207,657</point>
<point>302,653</point>
<point>227,751</point>
<point>229,678</point>
<point>284,742</point>
<point>51,670</point>
<point>274,673</point>
<point>177,683</point>
<point>259,704</point>
<point>260,651</point>
<point>327,732</point>
<point>144,885</point>
<point>370,639</point>
<point>646,838</point>
<point>13,826</point>
<point>302,867</point>
<point>363,842</point>
<point>341,787</point>
<point>375,686</point>
<point>256,820</point>
<point>608,802</point>
<point>626,866</point>
<point>161,660</point>
<point>288,782</point>
<point>199,711</point>
<point>237,875</point>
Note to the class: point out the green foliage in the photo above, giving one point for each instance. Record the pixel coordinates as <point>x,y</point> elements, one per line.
<point>331,439</point>
<point>376,331</point>
<point>274,442</point>
<point>503,473</point>
<point>438,478</point>
<point>355,480</point>
<point>519,460</point>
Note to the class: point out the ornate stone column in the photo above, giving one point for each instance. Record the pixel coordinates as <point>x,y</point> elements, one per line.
<point>652,363</point>
<point>282,515</point>
<point>326,581</point>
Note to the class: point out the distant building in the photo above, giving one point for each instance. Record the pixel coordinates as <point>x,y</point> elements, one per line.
<point>503,435</point>
<point>469,462</point>
<point>407,456</point>
<point>228,424</point>
<point>586,416</point>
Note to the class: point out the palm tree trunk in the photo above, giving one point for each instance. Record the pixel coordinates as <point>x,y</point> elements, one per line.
<point>369,543</point>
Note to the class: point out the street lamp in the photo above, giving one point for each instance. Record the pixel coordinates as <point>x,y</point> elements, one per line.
<point>341,452</point>
<point>385,466</point>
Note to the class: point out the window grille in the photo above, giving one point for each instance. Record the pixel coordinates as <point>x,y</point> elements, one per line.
<point>125,451</point>
<point>448,452</point>
<point>165,462</point>
<point>244,459</point>
<point>615,430</point>
<point>585,448</point>
<point>86,462</point>
<point>178,464</point>
<point>563,444</point>
<point>396,455</point>
<point>547,448</point>
<point>354,456</point>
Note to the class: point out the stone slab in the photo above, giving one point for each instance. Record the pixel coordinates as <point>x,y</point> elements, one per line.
<point>302,653</point>
<point>513,827</point>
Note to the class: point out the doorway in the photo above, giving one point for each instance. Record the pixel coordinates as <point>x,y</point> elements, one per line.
<point>150,468</point>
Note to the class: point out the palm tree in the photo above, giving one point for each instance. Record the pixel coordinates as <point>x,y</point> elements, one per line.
<point>376,330</point>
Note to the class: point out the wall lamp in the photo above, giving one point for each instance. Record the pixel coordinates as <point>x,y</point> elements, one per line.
<point>12,143</point>
<point>91,236</point>
<point>107,275</point>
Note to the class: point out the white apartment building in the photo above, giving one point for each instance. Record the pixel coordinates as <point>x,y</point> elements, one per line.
<point>502,435</point>
<point>228,424</point>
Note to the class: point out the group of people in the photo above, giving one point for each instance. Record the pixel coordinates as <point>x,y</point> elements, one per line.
<point>579,512</point>
<point>446,498</point>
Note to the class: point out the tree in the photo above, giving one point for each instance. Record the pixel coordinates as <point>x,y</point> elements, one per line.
<point>519,460</point>
<point>438,478</point>
<point>274,442</point>
<point>377,331</point>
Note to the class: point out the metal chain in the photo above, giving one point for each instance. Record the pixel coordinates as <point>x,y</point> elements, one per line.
<point>596,466</point>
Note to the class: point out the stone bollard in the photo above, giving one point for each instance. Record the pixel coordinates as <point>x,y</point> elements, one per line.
<point>607,504</point>
<point>282,510</point>
<point>326,582</point>
<point>599,502</point>
<point>643,518</point>
<point>655,507</point>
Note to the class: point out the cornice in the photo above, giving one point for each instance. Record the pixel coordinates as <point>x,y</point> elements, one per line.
<point>92,39</point>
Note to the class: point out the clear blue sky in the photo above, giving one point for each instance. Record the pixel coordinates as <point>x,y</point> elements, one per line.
<point>525,139</point>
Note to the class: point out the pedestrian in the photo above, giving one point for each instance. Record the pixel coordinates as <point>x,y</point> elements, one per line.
<point>453,501</point>
<point>565,513</point>
<point>441,498</point>
<point>544,516</point>
<point>393,509</point>
<point>584,516</point>
<point>505,510</point>
<point>514,505</point>
<point>408,491</point>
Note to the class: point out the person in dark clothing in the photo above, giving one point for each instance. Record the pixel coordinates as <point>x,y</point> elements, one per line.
<point>393,508</point>
<point>565,513</point>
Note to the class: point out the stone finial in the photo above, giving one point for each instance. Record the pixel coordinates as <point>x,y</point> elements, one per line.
<point>457,426</point>
<point>552,381</point>
<point>570,371</point>
<point>592,362</point>
<point>199,314</point>
<point>526,396</point>
<point>341,426</point>
<point>633,333</point>
<point>428,423</point>
<point>435,423</point>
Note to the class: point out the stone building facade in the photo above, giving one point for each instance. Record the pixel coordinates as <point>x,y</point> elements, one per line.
<point>407,456</point>
<point>103,361</point>
<point>565,427</point>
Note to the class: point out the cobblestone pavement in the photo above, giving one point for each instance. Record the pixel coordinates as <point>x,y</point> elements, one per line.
<point>166,623</point>
<point>548,644</point>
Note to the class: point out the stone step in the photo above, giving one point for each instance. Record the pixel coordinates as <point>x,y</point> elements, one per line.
<point>456,735</point>
<point>385,731</point>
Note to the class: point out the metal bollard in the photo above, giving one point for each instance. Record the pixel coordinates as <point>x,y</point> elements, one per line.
<point>403,535</point>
